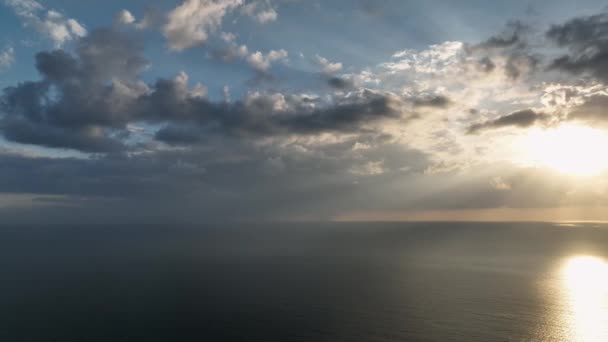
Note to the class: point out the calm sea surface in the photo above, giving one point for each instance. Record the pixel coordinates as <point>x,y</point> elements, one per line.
<point>305,282</point>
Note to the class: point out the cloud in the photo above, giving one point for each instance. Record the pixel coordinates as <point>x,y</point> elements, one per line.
<point>88,138</point>
<point>512,36</point>
<point>223,179</point>
<point>592,110</point>
<point>370,168</point>
<point>266,16</point>
<point>263,115</point>
<point>260,11</point>
<point>81,100</point>
<point>124,17</point>
<point>486,64</point>
<point>326,66</point>
<point>262,63</point>
<point>236,181</point>
<point>437,101</point>
<point>586,38</point>
<point>523,118</point>
<point>345,115</point>
<point>437,58</point>
<point>509,54</point>
<point>520,64</point>
<point>259,61</point>
<point>47,21</point>
<point>190,23</point>
<point>167,148</point>
<point>232,50</point>
<point>340,83</point>
<point>176,134</point>
<point>87,101</point>
<point>7,58</point>
<point>511,47</point>
<point>150,18</point>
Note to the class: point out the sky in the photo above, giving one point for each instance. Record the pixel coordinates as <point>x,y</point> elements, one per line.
<point>200,111</point>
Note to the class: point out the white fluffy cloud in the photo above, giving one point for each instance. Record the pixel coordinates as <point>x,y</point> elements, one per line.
<point>191,23</point>
<point>125,17</point>
<point>181,84</point>
<point>150,18</point>
<point>266,16</point>
<point>47,21</point>
<point>194,21</point>
<point>261,62</point>
<point>262,12</point>
<point>326,66</point>
<point>233,49</point>
<point>438,57</point>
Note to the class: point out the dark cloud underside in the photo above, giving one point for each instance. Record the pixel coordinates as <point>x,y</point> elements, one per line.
<point>523,118</point>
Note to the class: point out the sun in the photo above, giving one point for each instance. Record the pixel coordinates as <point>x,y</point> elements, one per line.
<point>570,149</point>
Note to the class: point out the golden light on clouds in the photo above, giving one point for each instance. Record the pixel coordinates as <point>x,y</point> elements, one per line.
<point>570,149</point>
<point>560,214</point>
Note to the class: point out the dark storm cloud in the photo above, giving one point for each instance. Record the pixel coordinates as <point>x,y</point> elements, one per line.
<point>593,110</point>
<point>343,117</point>
<point>78,98</point>
<point>512,45</point>
<point>257,116</point>
<point>522,118</point>
<point>435,101</point>
<point>231,180</point>
<point>249,183</point>
<point>586,38</point>
<point>518,64</point>
<point>179,134</point>
<point>80,138</point>
<point>340,83</point>
<point>512,36</point>
<point>486,64</point>
<point>227,179</point>
<point>109,176</point>
<point>85,102</point>
<point>106,54</point>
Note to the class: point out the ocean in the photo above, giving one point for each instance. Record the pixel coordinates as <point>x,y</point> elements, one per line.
<point>305,282</point>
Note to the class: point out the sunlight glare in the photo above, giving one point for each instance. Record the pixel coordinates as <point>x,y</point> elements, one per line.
<point>586,285</point>
<point>570,149</point>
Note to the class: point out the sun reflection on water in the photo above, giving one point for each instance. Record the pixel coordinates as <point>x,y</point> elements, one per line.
<point>585,281</point>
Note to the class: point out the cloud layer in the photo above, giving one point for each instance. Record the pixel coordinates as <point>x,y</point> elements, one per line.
<point>47,21</point>
<point>111,129</point>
